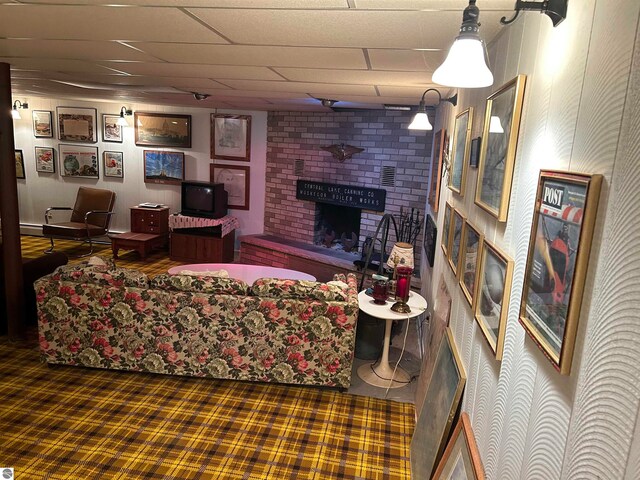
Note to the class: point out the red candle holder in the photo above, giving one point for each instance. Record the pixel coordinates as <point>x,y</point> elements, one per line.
<point>403,287</point>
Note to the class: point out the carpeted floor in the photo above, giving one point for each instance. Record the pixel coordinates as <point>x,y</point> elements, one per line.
<point>70,422</point>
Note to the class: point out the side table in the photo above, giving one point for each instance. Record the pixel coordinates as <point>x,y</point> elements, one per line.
<point>380,374</point>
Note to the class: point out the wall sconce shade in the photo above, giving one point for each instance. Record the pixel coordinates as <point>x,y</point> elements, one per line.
<point>421,120</point>
<point>466,63</point>
<point>123,121</point>
<point>15,113</point>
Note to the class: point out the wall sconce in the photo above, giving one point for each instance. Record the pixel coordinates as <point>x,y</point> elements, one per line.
<point>556,10</point>
<point>420,120</point>
<point>123,121</point>
<point>15,113</point>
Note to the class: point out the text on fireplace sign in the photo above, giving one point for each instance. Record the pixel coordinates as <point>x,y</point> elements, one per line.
<point>345,195</point>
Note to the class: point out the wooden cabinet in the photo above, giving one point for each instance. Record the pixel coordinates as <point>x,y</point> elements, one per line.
<point>150,220</point>
<point>149,231</point>
<point>201,248</point>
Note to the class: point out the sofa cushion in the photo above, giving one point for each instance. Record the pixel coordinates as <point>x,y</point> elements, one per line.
<point>277,288</point>
<point>205,273</point>
<point>204,284</point>
<point>101,273</point>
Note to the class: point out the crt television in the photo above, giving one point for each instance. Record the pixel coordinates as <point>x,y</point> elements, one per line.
<point>204,199</point>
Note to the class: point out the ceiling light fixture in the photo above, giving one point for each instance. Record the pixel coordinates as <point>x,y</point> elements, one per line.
<point>123,121</point>
<point>15,113</point>
<point>556,10</point>
<point>200,96</point>
<point>421,120</point>
<point>327,103</point>
<point>466,62</point>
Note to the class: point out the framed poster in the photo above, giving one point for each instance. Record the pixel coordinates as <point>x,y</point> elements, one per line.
<point>113,164</point>
<point>163,167</point>
<point>563,223</point>
<point>469,250</point>
<point>457,232</point>
<point>438,409</point>
<point>440,146</point>
<point>162,129</point>
<point>460,151</point>
<point>461,460</point>
<point>430,234</point>
<point>446,228</point>
<point>111,131</point>
<point>495,271</point>
<point>236,183</point>
<point>77,124</point>
<point>78,161</point>
<point>19,164</point>
<point>231,137</point>
<point>45,160</point>
<point>498,148</point>
<point>42,124</point>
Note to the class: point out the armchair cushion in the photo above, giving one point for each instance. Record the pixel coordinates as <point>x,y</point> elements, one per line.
<point>75,230</point>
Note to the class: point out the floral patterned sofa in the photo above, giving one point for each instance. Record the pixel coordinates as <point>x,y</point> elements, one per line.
<point>283,331</point>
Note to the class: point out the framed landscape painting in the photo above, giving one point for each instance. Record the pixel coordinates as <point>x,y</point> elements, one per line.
<point>460,151</point>
<point>163,167</point>
<point>42,124</point>
<point>461,460</point>
<point>470,248</point>
<point>111,131</point>
<point>429,242</point>
<point>236,183</point>
<point>446,228</point>
<point>440,146</point>
<point>498,148</point>
<point>45,160</point>
<point>79,161</point>
<point>77,124</point>
<point>457,232</point>
<point>561,233</point>
<point>113,164</point>
<point>162,130</point>
<point>19,164</point>
<point>231,137</point>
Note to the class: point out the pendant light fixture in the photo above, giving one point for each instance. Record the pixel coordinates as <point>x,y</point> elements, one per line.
<point>466,63</point>
<point>420,120</point>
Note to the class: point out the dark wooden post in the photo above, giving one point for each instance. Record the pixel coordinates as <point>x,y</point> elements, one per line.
<point>11,249</point>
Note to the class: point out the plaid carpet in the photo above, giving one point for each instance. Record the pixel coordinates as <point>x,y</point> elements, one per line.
<point>68,422</point>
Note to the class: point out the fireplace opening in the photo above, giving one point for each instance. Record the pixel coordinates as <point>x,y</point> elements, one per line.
<point>337,227</point>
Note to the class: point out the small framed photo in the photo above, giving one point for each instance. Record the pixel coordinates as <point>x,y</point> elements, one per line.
<point>236,183</point>
<point>457,232</point>
<point>461,459</point>
<point>231,137</point>
<point>469,250</point>
<point>77,124</point>
<point>19,164</point>
<point>162,129</point>
<point>492,303</point>
<point>474,157</point>
<point>42,124</point>
<point>460,151</point>
<point>430,235</point>
<point>440,148</point>
<point>446,228</point>
<point>79,161</point>
<point>163,167</point>
<point>113,164</point>
<point>111,131</point>
<point>45,160</point>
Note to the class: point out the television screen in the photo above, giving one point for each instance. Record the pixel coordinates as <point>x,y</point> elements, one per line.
<point>203,199</point>
<point>198,198</point>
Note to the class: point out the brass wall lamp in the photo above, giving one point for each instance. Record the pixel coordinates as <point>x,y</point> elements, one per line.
<point>421,120</point>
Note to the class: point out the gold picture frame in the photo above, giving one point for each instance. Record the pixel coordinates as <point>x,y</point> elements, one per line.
<point>440,145</point>
<point>470,248</point>
<point>458,222</point>
<point>566,206</point>
<point>498,148</point>
<point>493,290</point>
<point>446,229</point>
<point>460,150</point>
<point>461,460</point>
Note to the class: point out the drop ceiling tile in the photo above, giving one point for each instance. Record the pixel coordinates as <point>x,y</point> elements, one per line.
<point>54,65</point>
<point>240,4</point>
<point>264,94</point>
<point>195,70</point>
<point>179,82</point>
<point>355,77</point>
<point>67,22</point>
<point>300,87</point>
<point>72,49</point>
<point>371,99</point>
<point>415,92</point>
<point>406,60</point>
<point>304,57</point>
<point>432,5</point>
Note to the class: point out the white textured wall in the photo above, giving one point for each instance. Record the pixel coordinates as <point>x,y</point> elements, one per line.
<point>581,113</point>
<point>41,190</point>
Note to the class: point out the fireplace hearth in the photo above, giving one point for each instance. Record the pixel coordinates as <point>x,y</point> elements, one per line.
<point>337,227</point>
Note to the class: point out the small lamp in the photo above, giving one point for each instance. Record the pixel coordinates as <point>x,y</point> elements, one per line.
<point>401,260</point>
<point>420,120</point>
<point>15,113</point>
<point>123,121</point>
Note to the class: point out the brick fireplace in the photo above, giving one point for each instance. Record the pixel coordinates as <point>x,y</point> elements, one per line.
<point>395,159</point>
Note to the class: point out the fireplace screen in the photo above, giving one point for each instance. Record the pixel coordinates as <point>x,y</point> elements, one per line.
<point>337,227</point>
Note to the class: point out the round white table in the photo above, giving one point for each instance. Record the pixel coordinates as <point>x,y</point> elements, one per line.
<point>380,374</point>
<point>248,273</point>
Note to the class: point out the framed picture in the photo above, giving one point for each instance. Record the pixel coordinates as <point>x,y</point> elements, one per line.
<point>231,137</point>
<point>460,153</point>
<point>495,271</point>
<point>113,164</point>
<point>19,164</point>
<point>163,167</point>
<point>440,145</point>
<point>498,148</point>
<point>438,409</point>
<point>111,131</point>
<point>457,232</point>
<point>77,124</point>
<point>162,129</point>
<point>474,156</point>
<point>446,229</point>
<point>469,250</point>
<point>45,160</point>
<point>236,183</point>
<point>461,460</point>
<point>79,161</point>
<point>42,124</point>
<point>430,234</point>
<point>563,223</point>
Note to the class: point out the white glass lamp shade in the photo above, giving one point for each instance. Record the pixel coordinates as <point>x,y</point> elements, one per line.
<point>122,122</point>
<point>15,114</point>
<point>401,251</point>
<point>494,125</point>
<point>420,122</point>
<point>465,66</point>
